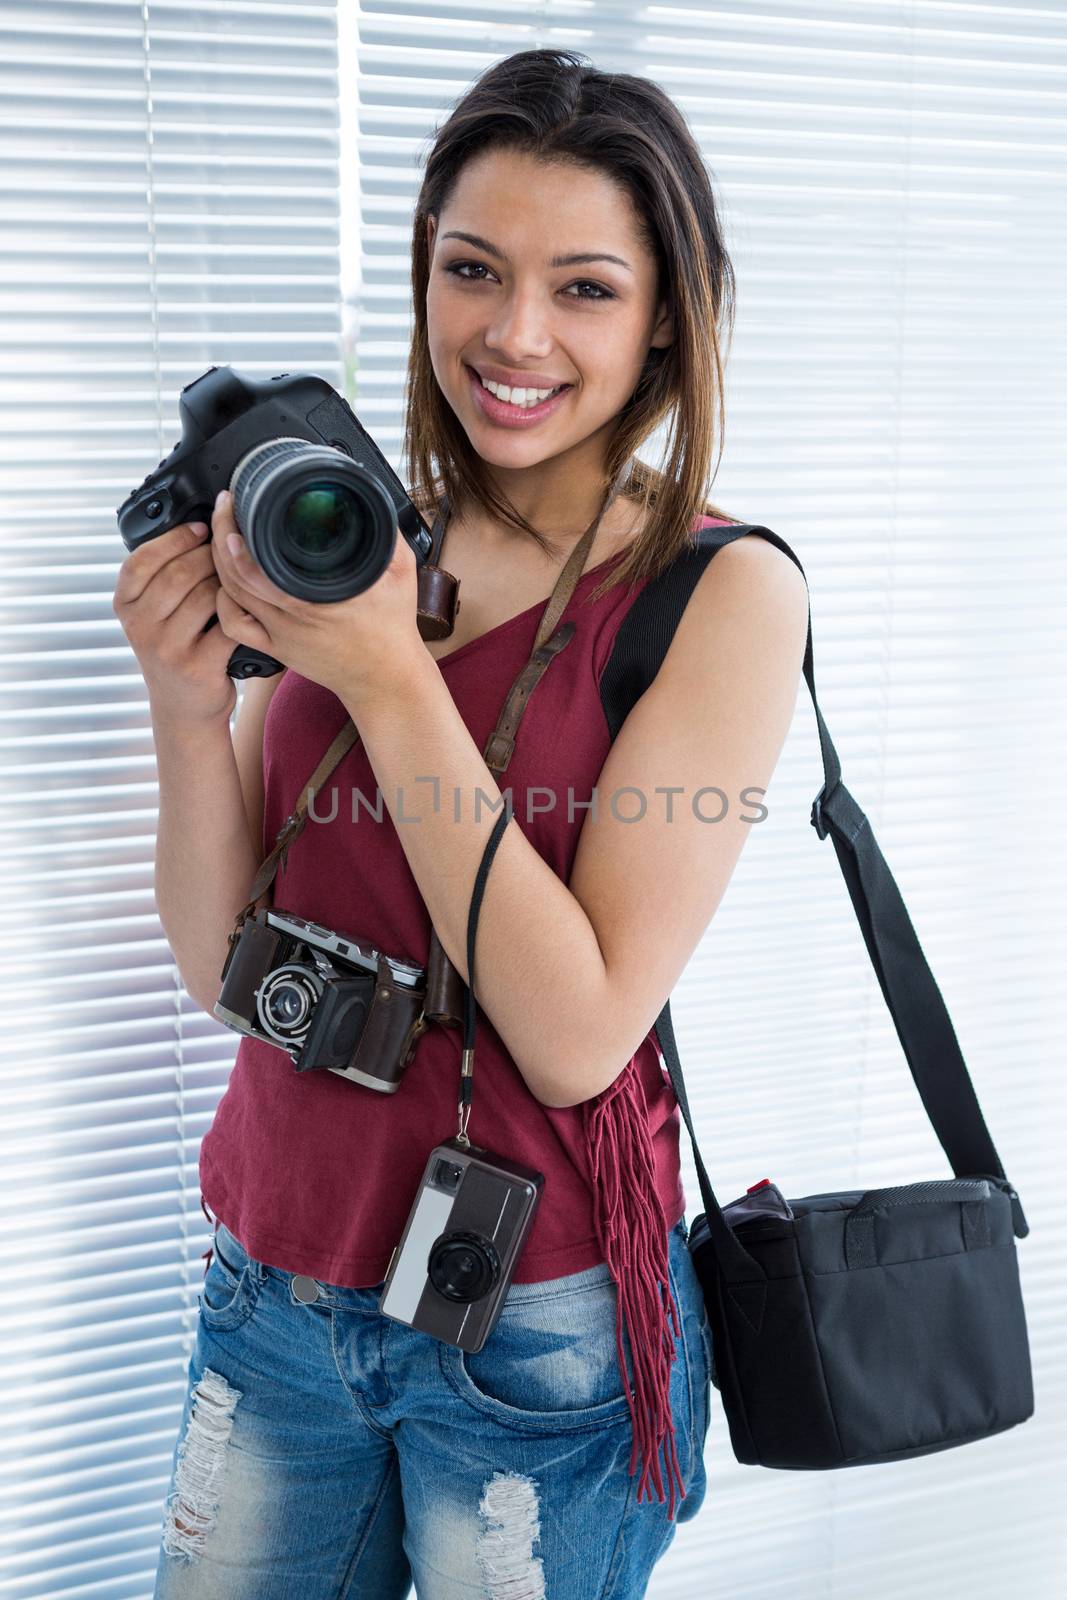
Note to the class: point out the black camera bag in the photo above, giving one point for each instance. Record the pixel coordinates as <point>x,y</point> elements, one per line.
<point>873,1325</point>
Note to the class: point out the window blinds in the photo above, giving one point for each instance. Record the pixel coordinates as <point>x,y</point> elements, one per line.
<point>893,179</point>
<point>169,203</point>
<point>893,182</point>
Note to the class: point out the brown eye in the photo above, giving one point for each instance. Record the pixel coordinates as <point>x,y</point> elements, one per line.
<point>601,292</point>
<point>456,269</point>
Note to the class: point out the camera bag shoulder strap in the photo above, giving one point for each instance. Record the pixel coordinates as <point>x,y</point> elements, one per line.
<point>443,999</point>
<point>915,1003</point>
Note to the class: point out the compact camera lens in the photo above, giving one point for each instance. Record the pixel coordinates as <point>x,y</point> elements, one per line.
<point>321,526</point>
<point>285,1001</point>
<point>463,1266</point>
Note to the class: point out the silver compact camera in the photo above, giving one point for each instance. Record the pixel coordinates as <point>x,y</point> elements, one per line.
<point>332,1002</point>
<point>450,1273</point>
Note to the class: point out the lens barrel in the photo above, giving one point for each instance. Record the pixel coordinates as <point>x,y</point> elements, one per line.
<point>320,526</point>
<point>463,1266</point>
<point>285,1001</point>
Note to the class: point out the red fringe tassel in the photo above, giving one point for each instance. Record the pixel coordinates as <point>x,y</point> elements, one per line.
<point>632,1232</point>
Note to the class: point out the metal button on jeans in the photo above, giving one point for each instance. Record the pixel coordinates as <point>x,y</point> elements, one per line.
<point>306,1290</point>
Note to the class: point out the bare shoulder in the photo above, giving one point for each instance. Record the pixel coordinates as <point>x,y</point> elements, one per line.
<point>730,678</point>
<point>755,554</point>
<point>751,599</point>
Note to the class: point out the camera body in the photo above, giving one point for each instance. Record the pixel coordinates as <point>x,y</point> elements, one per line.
<point>331,1002</point>
<point>450,1273</point>
<point>318,504</point>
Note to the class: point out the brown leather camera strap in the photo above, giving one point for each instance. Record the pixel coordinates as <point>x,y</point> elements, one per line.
<point>443,1002</point>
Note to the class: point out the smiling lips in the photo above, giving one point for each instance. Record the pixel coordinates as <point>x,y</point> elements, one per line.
<point>507,414</point>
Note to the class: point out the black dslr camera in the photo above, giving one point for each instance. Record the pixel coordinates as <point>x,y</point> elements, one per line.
<point>316,501</point>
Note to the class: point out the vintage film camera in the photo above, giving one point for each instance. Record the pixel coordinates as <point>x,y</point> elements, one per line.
<point>450,1273</point>
<point>330,1001</point>
<point>316,501</point>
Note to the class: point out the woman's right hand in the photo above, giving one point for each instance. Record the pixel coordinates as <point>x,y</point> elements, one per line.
<point>164,596</point>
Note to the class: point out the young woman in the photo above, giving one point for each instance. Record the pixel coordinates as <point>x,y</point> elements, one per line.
<point>565,239</point>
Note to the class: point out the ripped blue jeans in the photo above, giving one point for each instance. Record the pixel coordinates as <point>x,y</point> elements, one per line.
<point>326,1451</point>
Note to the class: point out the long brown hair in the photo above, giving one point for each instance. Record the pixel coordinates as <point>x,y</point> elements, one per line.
<point>555,105</point>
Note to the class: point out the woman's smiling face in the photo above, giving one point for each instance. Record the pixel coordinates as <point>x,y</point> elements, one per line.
<point>502,309</point>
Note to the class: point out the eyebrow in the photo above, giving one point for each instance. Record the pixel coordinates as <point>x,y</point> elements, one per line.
<point>557,261</point>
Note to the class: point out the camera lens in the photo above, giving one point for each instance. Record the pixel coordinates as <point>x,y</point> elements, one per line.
<point>322,523</point>
<point>287,1006</point>
<point>285,1001</point>
<point>463,1266</point>
<point>321,526</point>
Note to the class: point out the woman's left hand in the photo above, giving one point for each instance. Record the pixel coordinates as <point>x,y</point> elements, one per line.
<point>349,646</point>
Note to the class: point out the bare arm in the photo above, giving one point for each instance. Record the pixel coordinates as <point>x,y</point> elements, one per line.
<point>207,841</point>
<point>210,784</point>
<point>256,697</point>
<point>574,975</point>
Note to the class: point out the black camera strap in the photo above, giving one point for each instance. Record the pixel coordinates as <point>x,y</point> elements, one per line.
<point>469,1008</point>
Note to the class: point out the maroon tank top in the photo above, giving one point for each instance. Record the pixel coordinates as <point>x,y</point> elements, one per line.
<point>316,1174</point>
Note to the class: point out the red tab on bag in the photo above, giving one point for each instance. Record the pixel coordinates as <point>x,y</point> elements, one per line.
<point>762,1184</point>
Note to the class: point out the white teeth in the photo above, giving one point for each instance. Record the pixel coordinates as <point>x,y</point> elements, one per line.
<point>519,397</point>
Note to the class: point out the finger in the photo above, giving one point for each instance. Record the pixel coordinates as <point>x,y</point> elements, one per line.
<point>241,625</point>
<point>142,564</point>
<point>242,596</point>
<point>200,605</point>
<point>178,580</point>
<point>183,625</point>
<point>217,647</point>
<point>253,581</point>
<point>403,554</point>
<point>243,576</point>
<point>243,602</point>
<point>222,526</point>
<point>168,590</point>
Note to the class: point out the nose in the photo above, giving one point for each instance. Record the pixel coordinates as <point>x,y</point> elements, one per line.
<point>520,330</point>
